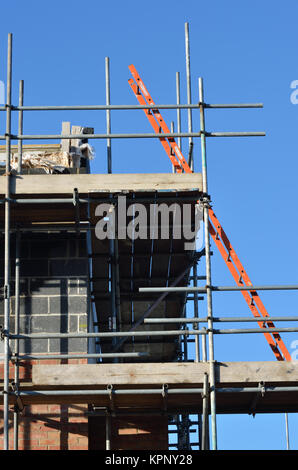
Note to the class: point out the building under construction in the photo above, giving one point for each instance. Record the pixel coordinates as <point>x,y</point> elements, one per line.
<point>98,351</point>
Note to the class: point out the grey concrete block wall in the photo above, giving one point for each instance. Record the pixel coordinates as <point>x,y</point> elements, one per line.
<point>53,290</point>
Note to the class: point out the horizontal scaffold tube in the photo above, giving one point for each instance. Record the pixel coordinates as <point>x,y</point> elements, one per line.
<point>220,319</point>
<point>153,391</point>
<point>29,357</point>
<point>133,136</point>
<point>217,288</point>
<point>115,334</point>
<point>106,334</point>
<point>127,107</point>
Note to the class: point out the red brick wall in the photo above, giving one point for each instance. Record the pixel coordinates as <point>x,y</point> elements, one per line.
<point>52,427</point>
<point>65,427</point>
<point>130,433</point>
<point>48,426</point>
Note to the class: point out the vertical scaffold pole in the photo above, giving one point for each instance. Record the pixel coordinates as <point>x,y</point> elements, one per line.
<point>17,331</point>
<point>197,344</point>
<point>208,269</point>
<point>7,248</point>
<point>112,241</point>
<point>205,411</point>
<point>108,431</point>
<point>17,274</point>
<point>20,126</point>
<point>188,88</point>
<point>287,431</point>
<point>108,113</point>
<point>117,274</point>
<point>205,424</point>
<point>113,286</point>
<point>172,131</point>
<point>196,312</point>
<point>178,109</point>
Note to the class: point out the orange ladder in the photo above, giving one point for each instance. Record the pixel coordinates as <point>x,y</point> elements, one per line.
<point>217,233</point>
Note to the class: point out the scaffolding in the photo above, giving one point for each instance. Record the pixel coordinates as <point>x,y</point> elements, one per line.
<point>191,418</point>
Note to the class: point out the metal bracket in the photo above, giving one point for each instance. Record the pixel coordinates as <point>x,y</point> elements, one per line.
<point>18,406</point>
<point>206,392</point>
<point>3,333</point>
<point>76,203</point>
<point>110,389</point>
<point>204,197</point>
<point>5,294</point>
<point>258,395</point>
<point>97,411</point>
<point>205,200</point>
<point>190,152</point>
<point>164,394</point>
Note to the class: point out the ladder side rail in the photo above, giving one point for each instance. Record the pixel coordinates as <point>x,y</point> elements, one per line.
<point>155,126</point>
<point>162,126</point>
<point>252,298</point>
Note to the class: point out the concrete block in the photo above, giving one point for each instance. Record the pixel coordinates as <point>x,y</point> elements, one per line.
<point>31,305</point>
<point>34,346</point>
<point>68,345</point>
<point>83,323</point>
<point>24,287</point>
<point>24,324</point>
<point>70,267</point>
<point>70,304</point>
<point>83,286</point>
<point>78,286</point>
<point>73,323</point>
<point>48,286</point>
<point>49,324</point>
<point>72,287</point>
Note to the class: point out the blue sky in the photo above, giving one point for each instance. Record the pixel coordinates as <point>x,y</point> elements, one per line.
<point>246,52</point>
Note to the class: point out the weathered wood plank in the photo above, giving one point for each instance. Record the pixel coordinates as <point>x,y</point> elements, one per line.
<point>65,144</point>
<point>179,373</point>
<point>33,148</point>
<point>85,183</point>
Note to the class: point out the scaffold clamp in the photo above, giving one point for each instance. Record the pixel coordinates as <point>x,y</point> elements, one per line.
<point>164,394</point>
<point>110,389</point>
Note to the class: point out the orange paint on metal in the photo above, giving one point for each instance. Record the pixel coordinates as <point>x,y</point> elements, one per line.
<point>217,233</point>
<point>157,122</point>
<point>153,123</point>
<point>241,278</point>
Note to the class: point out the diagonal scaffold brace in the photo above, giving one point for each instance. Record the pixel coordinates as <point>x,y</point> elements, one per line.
<point>217,233</point>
